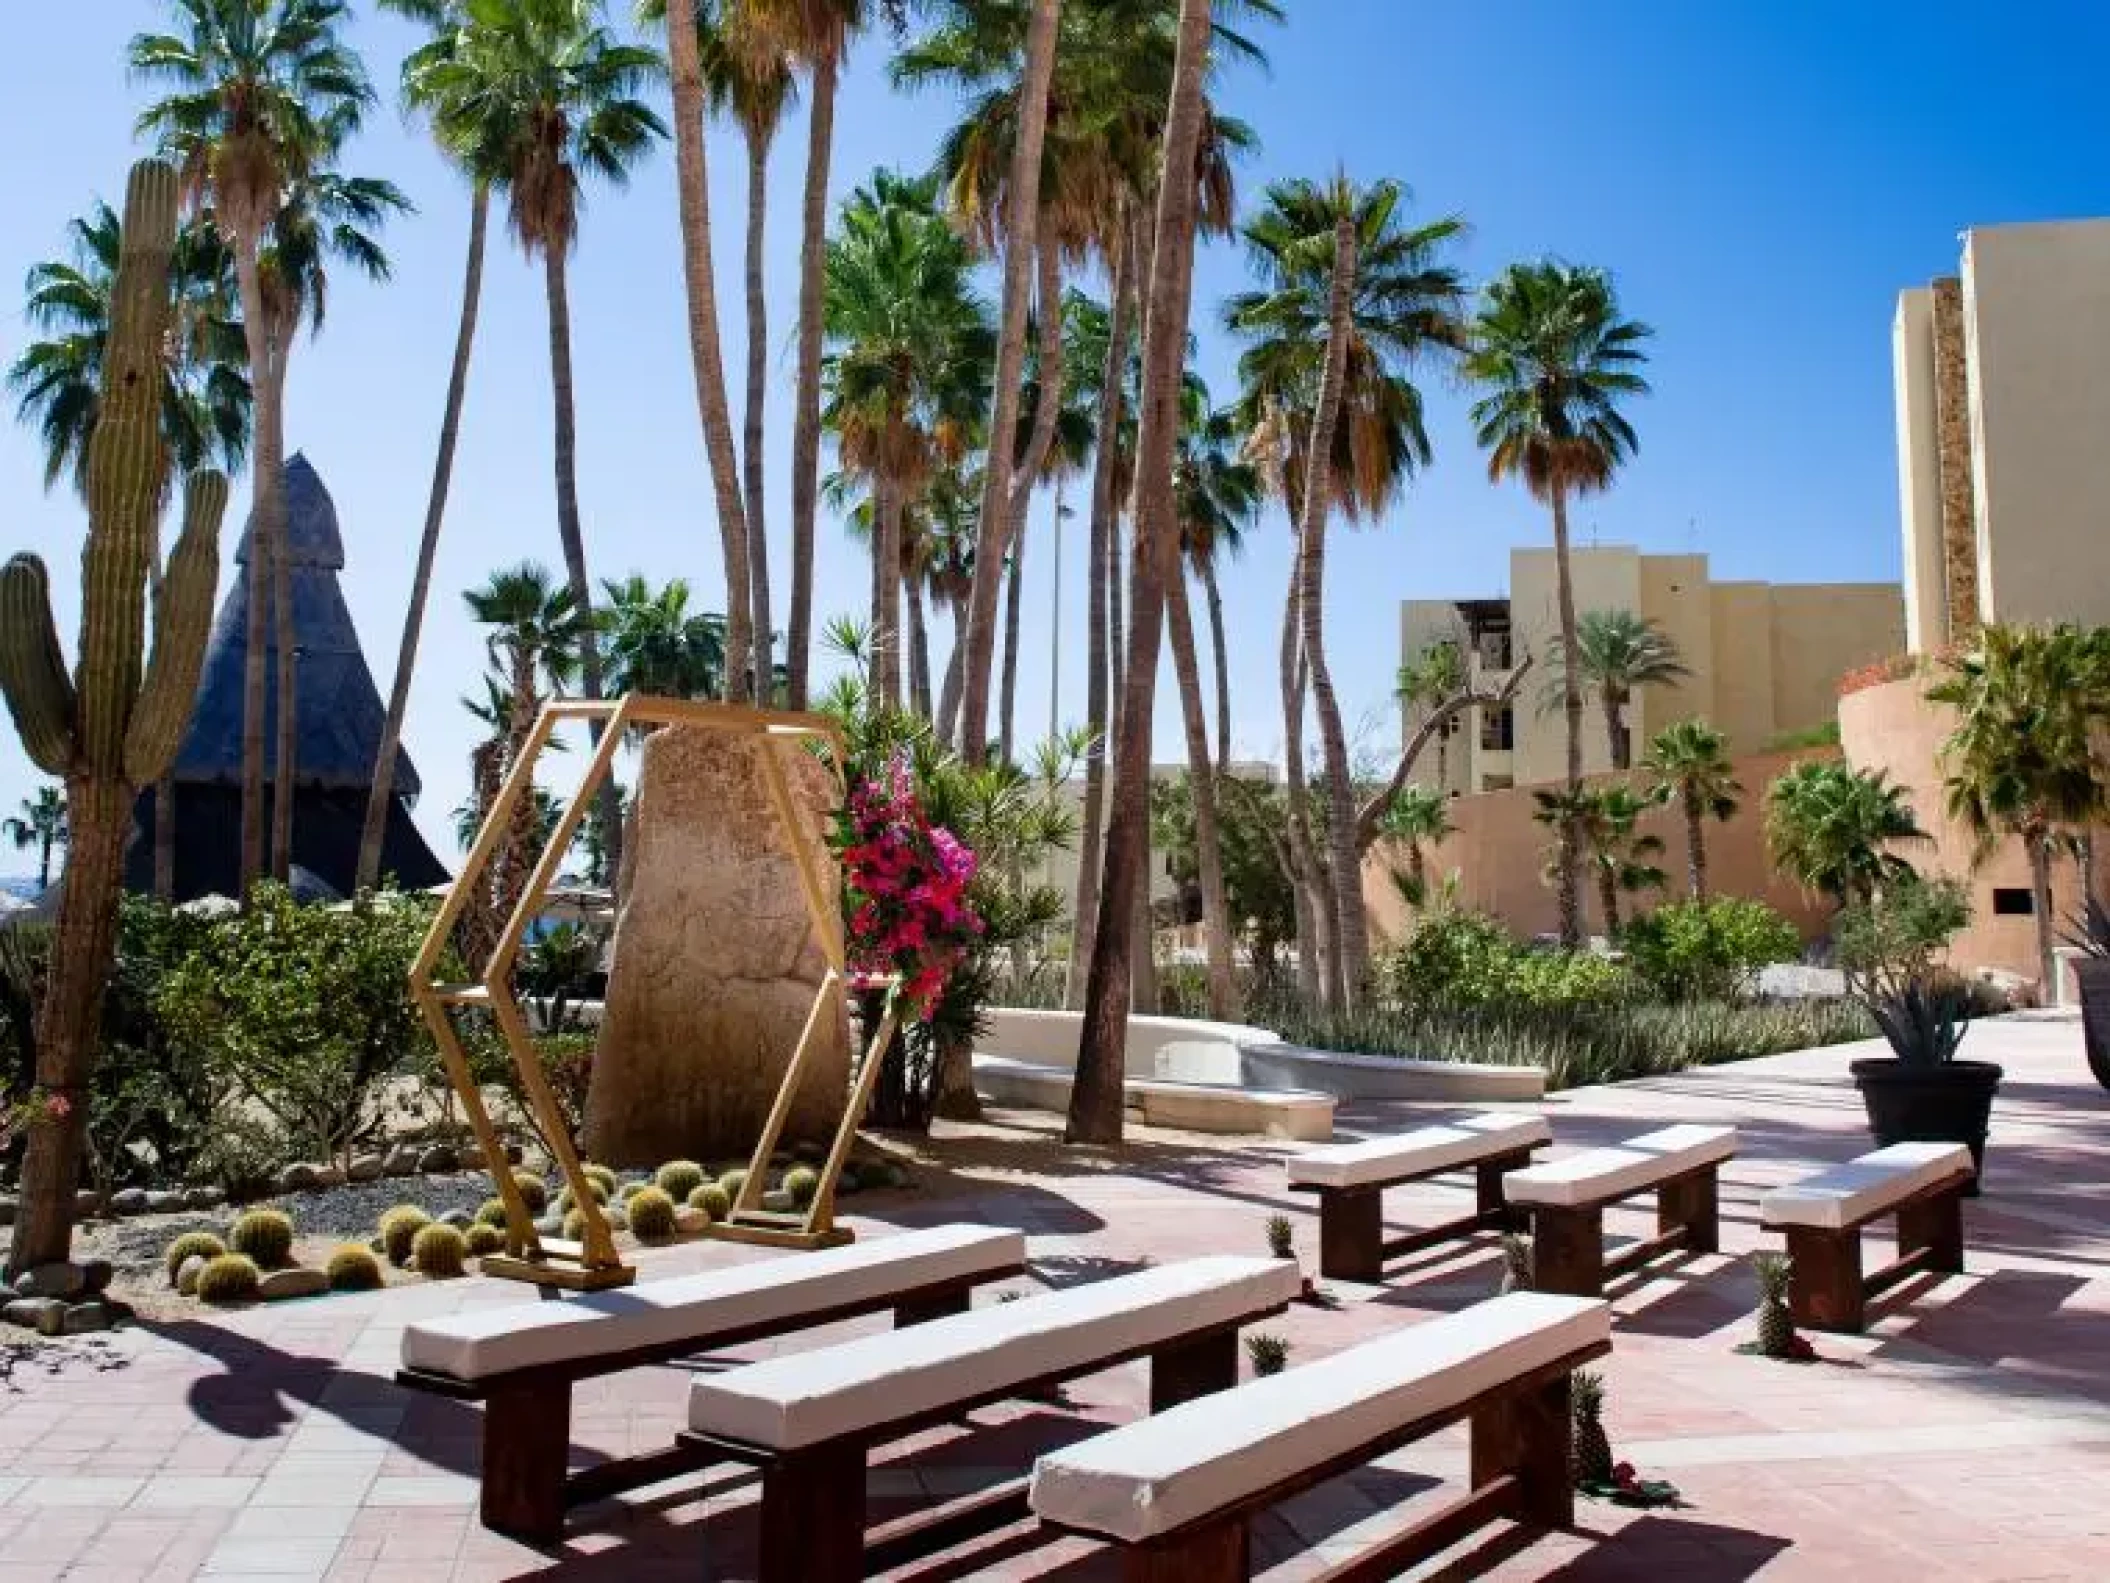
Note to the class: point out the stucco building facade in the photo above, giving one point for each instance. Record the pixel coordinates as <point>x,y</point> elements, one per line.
<point>1765,658</point>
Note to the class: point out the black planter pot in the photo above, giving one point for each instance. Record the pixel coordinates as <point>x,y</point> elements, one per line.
<point>2092,973</point>
<point>1951,1103</point>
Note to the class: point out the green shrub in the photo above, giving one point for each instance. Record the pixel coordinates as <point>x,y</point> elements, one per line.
<point>1269,1353</point>
<point>440,1251</point>
<point>483,1239</point>
<point>651,1215</point>
<point>399,1230</point>
<point>712,1200</point>
<point>230,1278</point>
<point>732,1182</point>
<point>802,1183</point>
<point>1281,1237</point>
<point>1707,950</point>
<point>1457,958</point>
<point>533,1191</point>
<point>492,1212</point>
<point>265,1235</point>
<point>353,1269</point>
<point>679,1178</point>
<point>192,1244</point>
<point>604,1177</point>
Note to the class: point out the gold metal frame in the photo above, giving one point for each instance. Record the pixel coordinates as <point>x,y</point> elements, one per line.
<point>592,1262</point>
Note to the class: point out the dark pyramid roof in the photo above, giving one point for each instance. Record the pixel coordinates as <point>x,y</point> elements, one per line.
<point>340,708</point>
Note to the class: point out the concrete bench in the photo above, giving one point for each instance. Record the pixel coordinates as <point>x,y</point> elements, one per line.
<point>1922,1184</point>
<point>1193,1107</point>
<point>1350,1180</point>
<point>1567,1199</point>
<point>521,1361</point>
<point>1175,1493</point>
<point>809,1421</point>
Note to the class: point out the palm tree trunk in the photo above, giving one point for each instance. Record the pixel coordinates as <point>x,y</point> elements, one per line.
<point>267,465</point>
<point>692,181</point>
<point>886,550</point>
<point>285,714</point>
<point>949,692</point>
<point>1351,931</point>
<point>1608,898</point>
<point>1568,856</point>
<point>1418,872</point>
<point>1201,781</point>
<point>1223,664</point>
<point>1007,700</point>
<point>608,807</point>
<point>381,798</point>
<point>1021,255</point>
<point>806,400</point>
<point>1695,848</point>
<point>1098,634</point>
<point>1619,741</point>
<point>1096,1097</point>
<point>1316,957</point>
<point>918,648</point>
<point>518,856</point>
<point>757,398</point>
<point>2039,847</point>
<point>69,1022</point>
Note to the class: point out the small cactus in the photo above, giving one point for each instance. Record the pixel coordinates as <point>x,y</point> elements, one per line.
<point>651,1214</point>
<point>679,1178</point>
<point>1269,1354</point>
<point>1516,1263</point>
<point>192,1244</point>
<point>492,1212</point>
<point>533,1192</point>
<point>575,1226</point>
<point>483,1239</point>
<point>231,1278</point>
<point>353,1269</point>
<point>802,1182</point>
<point>440,1252</point>
<point>733,1181</point>
<point>1776,1324</point>
<point>265,1235</point>
<point>1281,1237</point>
<point>399,1230</point>
<point>602,1175</point>
<point>712,1200</point>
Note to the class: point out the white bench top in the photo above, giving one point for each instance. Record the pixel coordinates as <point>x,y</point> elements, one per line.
<point>489,1341</point>
<point>802,1399</point>
<point>1598,1176</point>
<point>1845,1195</point>
<point>1420,1152</point>
<point>1161,1473</point>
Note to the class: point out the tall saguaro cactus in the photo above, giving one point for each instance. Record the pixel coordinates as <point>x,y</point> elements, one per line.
<point>114,725</point>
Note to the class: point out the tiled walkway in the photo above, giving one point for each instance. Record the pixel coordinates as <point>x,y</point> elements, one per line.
<point>1968,1436</point>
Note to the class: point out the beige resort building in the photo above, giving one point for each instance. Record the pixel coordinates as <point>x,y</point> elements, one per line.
<point>1765,658</point>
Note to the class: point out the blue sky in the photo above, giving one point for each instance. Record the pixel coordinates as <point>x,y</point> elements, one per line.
<point>1762,179</point>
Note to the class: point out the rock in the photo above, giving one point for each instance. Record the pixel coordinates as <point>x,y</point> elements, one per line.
<point>45,1315</point>
<point>163,1201</point>
<point>689,1221</point>
<point>277,1285</point>
<point>460,1219</point>
<point>714,966</point>
<point>187,1274</point>
<point>300,1178</point>
<point>81,1318</point>
<point>60,1279</point>
<point>550,1226</point>
<point>129,1201</point>
<point>204,1197</point>
<point>402,1160</point>
<point>96,1275</point>
<point>778,1201</point>
<point>440,1159</point>
<point>329,1176</point>
<point>87,1204</point>
<point>8,1207</point>
<point>366,1168</point>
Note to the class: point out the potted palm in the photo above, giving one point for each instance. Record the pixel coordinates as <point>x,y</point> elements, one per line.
<point>2089,933</point>
<point>1920,1092</point>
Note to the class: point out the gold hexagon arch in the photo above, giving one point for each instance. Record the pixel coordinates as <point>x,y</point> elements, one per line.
<point>592,1261</point>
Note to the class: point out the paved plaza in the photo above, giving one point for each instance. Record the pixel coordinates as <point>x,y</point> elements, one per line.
<point>1966,1436</point>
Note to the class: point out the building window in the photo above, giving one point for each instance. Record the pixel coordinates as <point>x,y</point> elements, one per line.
<point>1498,730</point>
<point>2013,901</point>
<point>1494,648</point>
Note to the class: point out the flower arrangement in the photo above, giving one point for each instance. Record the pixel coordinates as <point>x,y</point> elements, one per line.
<point>906,882</point>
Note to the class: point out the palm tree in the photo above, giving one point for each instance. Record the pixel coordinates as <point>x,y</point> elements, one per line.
<point>1620,852</point>
<point>1418,818</point>
<point>537,634</point>
<point>552,96</point>
<point>1096,1099</point>
<point>909,346</point>
<point>1832,826</point>
<point>41,824</point>
<point>1689,761</point>
<point>1220,493</point>
<point>1617,653</point>
<point>657,645</point>
<point>2022,760</point>
<point>1350,291</point>
<point>1558,360</point>
<point>444,18</point>
<point>57,381</point>
<point>687,25</point>
<point>264,98</point>
<point>1426,684</point>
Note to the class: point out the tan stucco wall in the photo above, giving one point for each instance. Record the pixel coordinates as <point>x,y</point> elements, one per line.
<point>1677,596</point>
<point>1606,578</point>
<point>1743,689</point>
<point>1820,632</point>
<point>1499,854</point>
<point>2037,328</point>
<point>1919,470</point>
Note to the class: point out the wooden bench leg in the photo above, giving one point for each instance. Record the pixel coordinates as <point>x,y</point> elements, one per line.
<point>1494,1209</point>
<point>941,1305</point>
<point>1567,1251</point>
<point>813,1515</point>
<point>1824,1284</point>
<point>1526,1434</point>
<point>1691,1204</point>
<point>1352,1234</point>
<point>1935,1224</point>
<point>1216,1553</point>
<point>1194,1368</point>
<point>527,1443</point>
